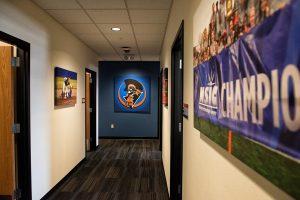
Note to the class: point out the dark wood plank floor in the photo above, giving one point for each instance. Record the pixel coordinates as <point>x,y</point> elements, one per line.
<point>119,170</point>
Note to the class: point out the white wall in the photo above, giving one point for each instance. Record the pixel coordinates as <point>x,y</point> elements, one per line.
<point>209,172</point>
<point>57,135</point>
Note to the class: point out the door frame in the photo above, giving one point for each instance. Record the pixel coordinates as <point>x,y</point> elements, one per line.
<point>160,108</point>
<point>23,138</point>
<point>93,114</point>
<point>176,116</point>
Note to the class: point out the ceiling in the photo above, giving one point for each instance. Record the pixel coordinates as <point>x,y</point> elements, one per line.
<point>142,22</point>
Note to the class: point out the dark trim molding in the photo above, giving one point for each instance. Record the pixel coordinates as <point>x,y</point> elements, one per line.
<point>6,197</point>
<point>93,105</point>
<point>63,180</point>
<point>15,41</point>
<point>176,136</point>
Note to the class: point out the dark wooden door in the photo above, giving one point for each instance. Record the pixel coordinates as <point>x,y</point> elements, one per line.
<point>87,112</point>
<point>176,117</point>
<point>92,108</point>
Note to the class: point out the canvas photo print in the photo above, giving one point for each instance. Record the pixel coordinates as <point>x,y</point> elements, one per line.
<point>246,85</point>
<point>65,87</point>
<point>132,94</point>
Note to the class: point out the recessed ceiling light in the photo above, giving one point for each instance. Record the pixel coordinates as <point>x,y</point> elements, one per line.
<point>126,49</point>
<point>115,29</point>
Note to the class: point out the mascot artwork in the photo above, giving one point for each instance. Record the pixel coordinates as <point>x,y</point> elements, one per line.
<point>130,93</point>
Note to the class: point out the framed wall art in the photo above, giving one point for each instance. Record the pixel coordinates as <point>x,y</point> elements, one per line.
<point>132,94</point>
<point>165,88</point>
<point>65,87</point>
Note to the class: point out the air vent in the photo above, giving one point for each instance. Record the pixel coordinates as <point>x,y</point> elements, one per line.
<point>128,57</point>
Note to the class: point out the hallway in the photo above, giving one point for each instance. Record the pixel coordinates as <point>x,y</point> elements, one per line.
<point>149,99</point>
<point>119,169</point>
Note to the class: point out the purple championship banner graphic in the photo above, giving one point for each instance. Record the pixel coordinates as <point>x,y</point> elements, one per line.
<point>253,86</point>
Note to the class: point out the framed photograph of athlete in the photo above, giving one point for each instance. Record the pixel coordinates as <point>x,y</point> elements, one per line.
<point>132,94</point>
<point>65,87</point>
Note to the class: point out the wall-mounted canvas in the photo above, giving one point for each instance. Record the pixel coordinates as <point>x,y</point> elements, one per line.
<point>165,89</point>
<point>65,87</point>
<point>247,85</point>
<point>132,94</point>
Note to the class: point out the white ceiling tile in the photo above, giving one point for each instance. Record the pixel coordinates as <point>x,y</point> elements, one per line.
<point>150,51</point>
<point>103,4</point>
<point>137,58</point>
<point>149,4</point>
<point>120,37</point>
<point>91,39</point>
<point>150,48</point>
<point>158,29</point>
<point>70,16</point>
<point>57,4</point>
<point>132,51</point>
<point>103,48</point>
<point>111,57</point>
<point>123,43</point>
<point>82,28</point>
<point>149,16</point>
<point>119,40</point>
<point>106,28</point>
<point>150,57</point>
<point>109,16</point>
<point>149,38</point>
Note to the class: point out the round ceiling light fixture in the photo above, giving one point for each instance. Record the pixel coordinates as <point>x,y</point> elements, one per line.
<point>116,29</point>
<point>126,49</point>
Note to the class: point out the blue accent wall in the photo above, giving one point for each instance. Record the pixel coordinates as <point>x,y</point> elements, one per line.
<point>129,125</point>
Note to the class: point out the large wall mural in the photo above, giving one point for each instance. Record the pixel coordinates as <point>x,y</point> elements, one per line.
<point>247,85</point>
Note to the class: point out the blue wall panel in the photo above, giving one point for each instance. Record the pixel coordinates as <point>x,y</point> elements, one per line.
<point>131,125</point>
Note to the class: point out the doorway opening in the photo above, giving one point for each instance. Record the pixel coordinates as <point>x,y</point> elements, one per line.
<point>15,165</point>
<point>176,115</point>
<point>90,110</point>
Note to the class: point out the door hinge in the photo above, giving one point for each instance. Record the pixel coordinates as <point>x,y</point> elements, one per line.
<point>180,64</point>
<point>15,61</point>
<point>17,194</point>
<point>91,110</point>
<point>180,127</point>
<point>179,189</point>
<point>16,128</point>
